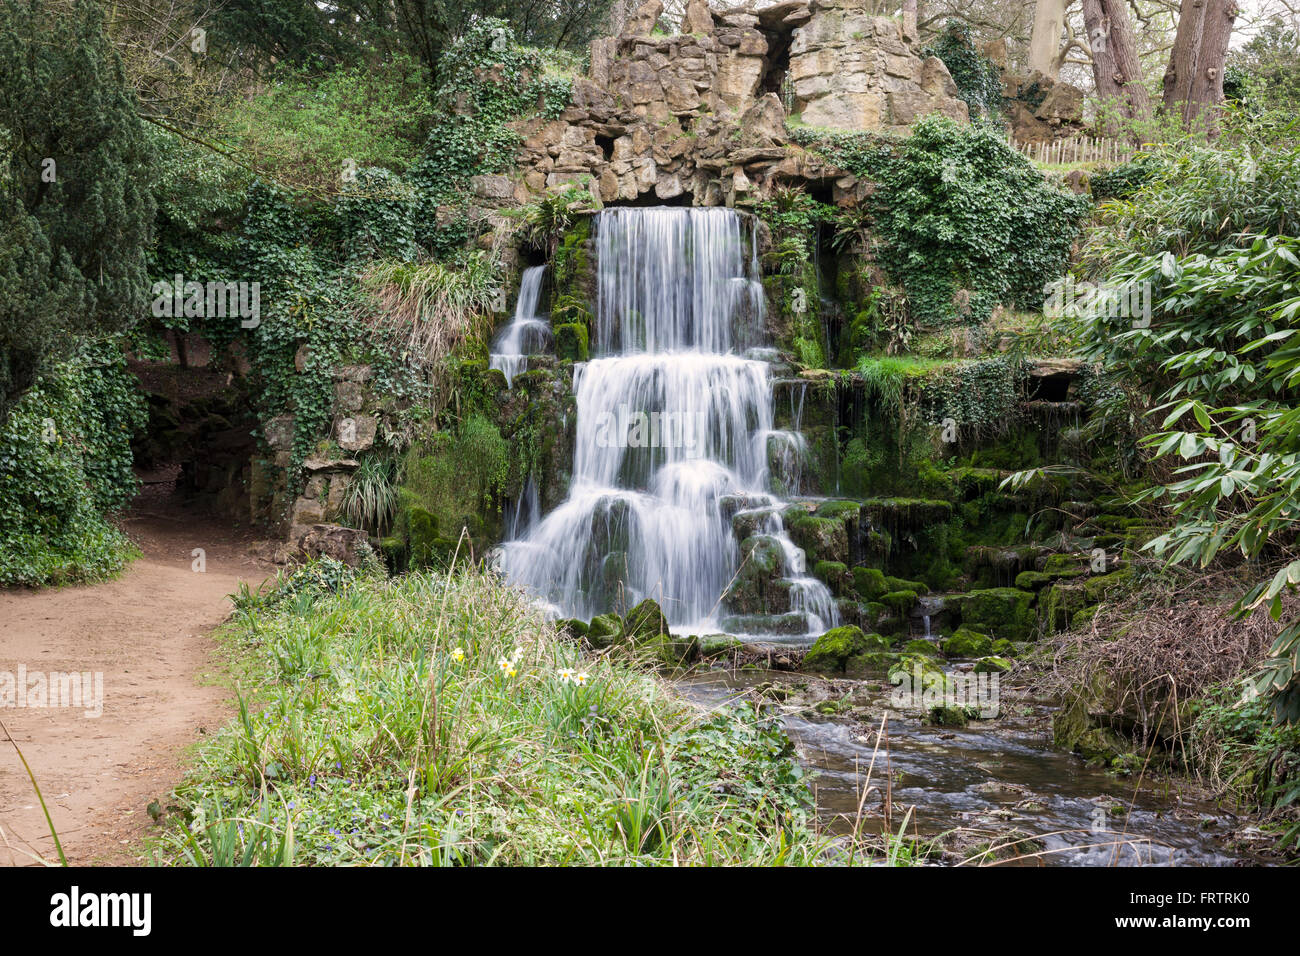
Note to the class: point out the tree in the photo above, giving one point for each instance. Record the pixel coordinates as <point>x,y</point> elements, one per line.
<point>76,212</point>
<point>1045,40</point>
<point>1194,80</point>
<point>1115,64</point>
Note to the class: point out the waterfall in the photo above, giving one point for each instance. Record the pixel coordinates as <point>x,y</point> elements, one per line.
<point>671,419</point>
<point>527,334</point>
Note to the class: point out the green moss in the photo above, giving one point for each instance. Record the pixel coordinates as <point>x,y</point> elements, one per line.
<point>838,510</point>
<point>899,601</point>
<point>571,342</point>
<point>922,647</point>
<point>869,583</point>
<point>834,574</point>
<point>947,716</point>
<point>834,649</point>
<point>645,623</point>
<point>992,665</point>
<point>966,642</point>
<point>604,630</point>
<point>1004,612</point>
<point>899,584</point>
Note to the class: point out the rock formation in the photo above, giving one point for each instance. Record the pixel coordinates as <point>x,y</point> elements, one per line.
<point>702,111</point>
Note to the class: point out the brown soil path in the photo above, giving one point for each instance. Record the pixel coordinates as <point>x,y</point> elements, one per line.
<point>148,632</point>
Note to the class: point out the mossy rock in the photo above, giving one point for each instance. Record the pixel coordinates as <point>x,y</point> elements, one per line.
<point>1083,617</point>
<point>1033,580</point>
<point>902,584</point>
<point>674,650</point>
<point>1004,648</point>
<point>1108,587</point>
<point>921,646</point>
<point>838,510</point>
<point>946,715</point>
<point>891,624</point>
<point>1057,564</point>
<point>834,574</point>
<point>422,534</point>
<point>822,539</point>
<point>992,665</point>
<point>645,623</point>
<point>869,583</point>
<point>1074,729</point>
<point>604,630</point>
<point>834,649</point>
<point>572,627</point>
<point>1004,612</point>
<point>719,645</point>
<point>571,342</point>
<point>966,642</point>
<point>899,601</point>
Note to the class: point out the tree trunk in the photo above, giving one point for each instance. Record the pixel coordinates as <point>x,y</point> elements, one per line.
<point>1182,58</point>
<point>1045,40</point>
<point>1205,92</point>
<point>1115,65</point>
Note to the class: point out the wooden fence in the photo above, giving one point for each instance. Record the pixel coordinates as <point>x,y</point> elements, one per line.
<point>1078,149</point>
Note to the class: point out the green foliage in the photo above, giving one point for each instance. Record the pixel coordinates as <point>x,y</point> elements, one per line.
<point>484,82</point>
<point>370,500</point>
<point>73,234</point>
<point>979,82</point>
<point>447,485</point>
<point>966,221</point>
<point>65,460</point>
<point>1220,255</point>
<point>1264,74</point>
<point>305,127</point>
<point>438,719</point>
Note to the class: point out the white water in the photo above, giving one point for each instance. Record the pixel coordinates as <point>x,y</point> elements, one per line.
<point>670,421</point>
<point>527,334</point>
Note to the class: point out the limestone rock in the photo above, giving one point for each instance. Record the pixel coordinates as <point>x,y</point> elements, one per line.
<point>697,18</point>
<point>643,19</point>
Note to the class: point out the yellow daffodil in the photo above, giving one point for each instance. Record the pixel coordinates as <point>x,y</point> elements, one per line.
<point>458,654</point>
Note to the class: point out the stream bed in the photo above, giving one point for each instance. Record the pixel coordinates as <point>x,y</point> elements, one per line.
<point>999,781</point>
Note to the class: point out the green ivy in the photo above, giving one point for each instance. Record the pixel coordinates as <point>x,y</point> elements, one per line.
<point>65,460</point>
<point>979,82</point>
<point>966,221</point>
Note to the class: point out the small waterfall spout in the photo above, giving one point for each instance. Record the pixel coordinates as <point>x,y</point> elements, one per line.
<point>527,334</point>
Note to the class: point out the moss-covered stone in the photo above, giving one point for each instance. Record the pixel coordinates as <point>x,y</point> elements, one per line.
<point>901,584</point>
<point>869,583</point>
<point>822,539</point>
<point>834,574</point>
<point>966,642</point>
<point>945,715</point>
<point>900,602</point>
<point>571,342</point>
<point>1003,612</point>
<point>645,623</point>
<point>604,630</point>
<point>921,646</point>
<point>992,665</point>
<point>572,627</point>
<point>1108,587</point>
<point>1033,580</point>
<point>834,649</point>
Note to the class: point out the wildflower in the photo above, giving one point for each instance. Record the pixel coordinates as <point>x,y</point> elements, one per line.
<point>458,654</point>
<point>581,679</point>
<point>507,667</point>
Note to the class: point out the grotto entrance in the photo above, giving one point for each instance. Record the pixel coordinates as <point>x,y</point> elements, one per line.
<point>195,453</point>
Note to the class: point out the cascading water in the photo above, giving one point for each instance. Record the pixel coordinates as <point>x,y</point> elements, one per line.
<point>527,334</point>
<point>671,421</point>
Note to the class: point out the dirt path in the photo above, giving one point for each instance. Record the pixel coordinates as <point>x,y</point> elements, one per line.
<point>148,633</point>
